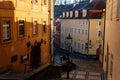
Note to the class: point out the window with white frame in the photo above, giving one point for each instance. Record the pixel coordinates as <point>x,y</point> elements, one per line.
<point>21,26</point>
<point>35,27</point>
<point>6,30</point>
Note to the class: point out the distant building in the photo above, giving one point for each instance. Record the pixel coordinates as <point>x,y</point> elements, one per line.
<point>24,34</point>
<point>85,30</point>
<point>57,27</point>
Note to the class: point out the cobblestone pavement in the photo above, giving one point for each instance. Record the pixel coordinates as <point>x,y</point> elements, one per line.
<point>86,70</point>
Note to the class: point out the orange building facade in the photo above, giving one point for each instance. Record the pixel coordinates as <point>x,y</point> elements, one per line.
<point>24,34</point>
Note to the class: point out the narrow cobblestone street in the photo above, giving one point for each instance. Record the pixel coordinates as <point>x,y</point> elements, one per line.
<point>86,70</point>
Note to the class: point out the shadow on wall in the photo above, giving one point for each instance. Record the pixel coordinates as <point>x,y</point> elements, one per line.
<point>16,48</point>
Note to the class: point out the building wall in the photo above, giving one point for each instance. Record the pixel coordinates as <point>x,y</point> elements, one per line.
<point>57,28</point>
<point>94,36</point>
<point>24,10</point>
<point>78,29</point>
<point>112,41</point>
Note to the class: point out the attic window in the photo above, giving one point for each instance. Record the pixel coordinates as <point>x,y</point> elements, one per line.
<point>71,13</point>
<point>76,14</point>
<point>63,14</point>
<point>84,13</point>
<point>67,14</point>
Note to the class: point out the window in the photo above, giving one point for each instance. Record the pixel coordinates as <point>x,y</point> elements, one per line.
<point>79,31</point>
<point>118,10</point>
<point>99,33</point>
<point>99,23</point>
<point>35,28</point>
<point>71,14</point>
<point>6,28</point>
<point>44,2</point>
<point>21,28</point>
<point>34,1</point>
<point>44,26</point>
<point>83,22</point>
<point>83,32</point>
<point>86,32</point>
<point>84,13</point>
<point>76,14</point>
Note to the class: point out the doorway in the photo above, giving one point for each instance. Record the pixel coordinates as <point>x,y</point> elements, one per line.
<point>35,58</point>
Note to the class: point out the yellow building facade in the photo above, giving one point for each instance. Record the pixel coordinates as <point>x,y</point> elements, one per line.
<point>95,36</point>
<point>112,40</point>
<point>78,29</point>
<point>24,34</point>
<point>87,33</point>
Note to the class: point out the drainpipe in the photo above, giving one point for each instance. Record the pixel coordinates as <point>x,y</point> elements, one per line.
<point>88,34</point>
<point>51,30</point>
<point>104,34</point>
<point>103,75</point>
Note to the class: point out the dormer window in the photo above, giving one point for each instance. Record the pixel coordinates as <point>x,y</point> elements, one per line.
<point>71,14</point>
<point>76,14</point>
<point>67,14</point>
<point>84,13</point>
<point>63,14</point>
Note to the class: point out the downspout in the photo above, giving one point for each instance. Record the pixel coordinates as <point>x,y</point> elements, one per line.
<point>88,34</point>
<point>51,30</point>
<point>104,34</point>
<point>103,75</point>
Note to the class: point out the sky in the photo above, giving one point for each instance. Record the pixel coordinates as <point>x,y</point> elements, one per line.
<point>58,2</point>
<point>62,1</point>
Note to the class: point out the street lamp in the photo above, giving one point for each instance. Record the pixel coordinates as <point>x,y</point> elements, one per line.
<point>68,42</point>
